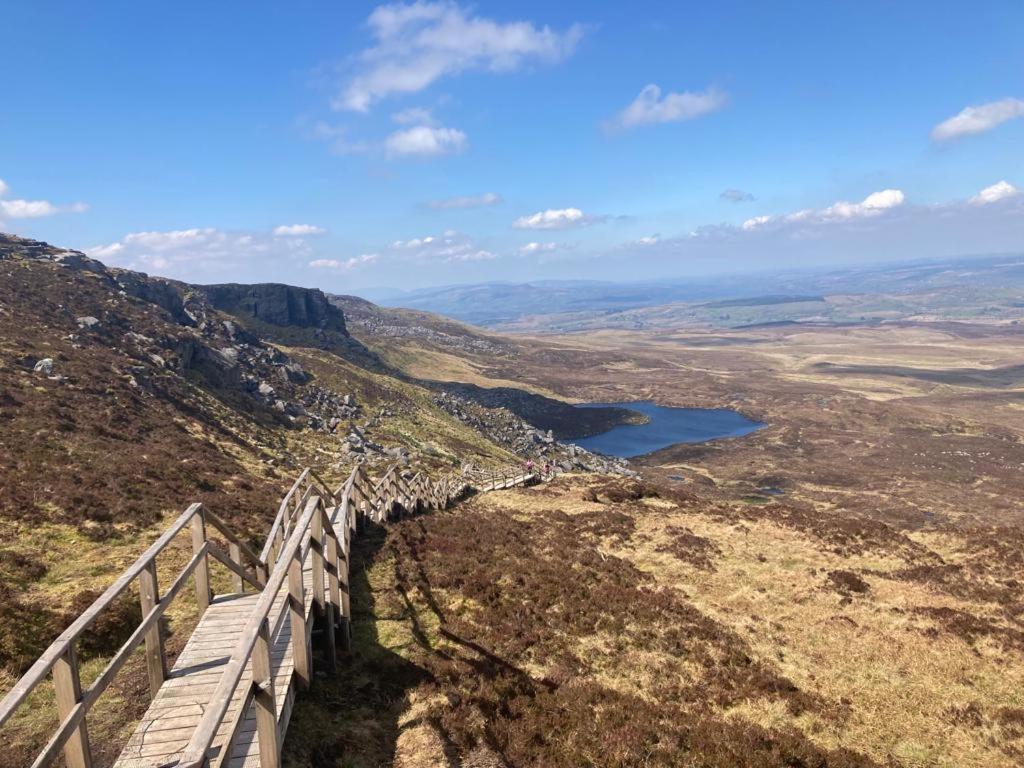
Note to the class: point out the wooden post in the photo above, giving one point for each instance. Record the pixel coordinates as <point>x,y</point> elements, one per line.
<point>319,542</point>
<point>202,572</point>
<point>344,561</point>
<point>156,660</point>
<point>236,557</point>
<point>266,708</point>
<point>334,606</point>
<point>316,551</point>
<point>68,688</point>
<point>297,614</point>
<point>278,544</point>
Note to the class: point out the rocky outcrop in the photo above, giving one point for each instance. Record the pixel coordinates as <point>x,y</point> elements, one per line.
<point>564,419</point>
<point>277,304</point>
<point>524,439</point>
<point>168,294</point>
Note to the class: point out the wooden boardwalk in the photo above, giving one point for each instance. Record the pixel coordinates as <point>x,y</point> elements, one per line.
<point>228,699</point>
<point>172,717</point>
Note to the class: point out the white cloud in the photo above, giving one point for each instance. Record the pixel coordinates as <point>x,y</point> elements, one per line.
<point>755,222</point>
<point>418,43</point>
<point>1001,190</point>
<point>737,196</point>
<point>883,226</point>
<point>470,201</point>
<point>649,240</point>
<point>532,248</point>
<point>651,107</point>
<point>34,209</point>
<point>451,246</point>
<point>555,218</point>
<point>873,205</point>
<point>296,230</point>
<point>27,209</point>
<point>199,252</point>
<point>978,119</point>
<point>425,141</point>
<point>415,242</point>
<point>344,264</point>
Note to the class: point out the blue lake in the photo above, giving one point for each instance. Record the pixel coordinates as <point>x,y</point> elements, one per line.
<point>667,426</point>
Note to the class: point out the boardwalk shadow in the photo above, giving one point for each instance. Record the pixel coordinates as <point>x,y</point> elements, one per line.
<point>351,718</point>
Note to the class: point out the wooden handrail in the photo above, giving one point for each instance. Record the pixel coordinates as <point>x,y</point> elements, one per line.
<point>93,692</point>
<point>302,529</point>
<point>232,538</point>
<point>38,671</point>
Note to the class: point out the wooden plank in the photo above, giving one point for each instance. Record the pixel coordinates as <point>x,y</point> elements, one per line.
<point>174,715</point>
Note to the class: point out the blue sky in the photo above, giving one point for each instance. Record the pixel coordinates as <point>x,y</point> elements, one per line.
<point>351,145</point>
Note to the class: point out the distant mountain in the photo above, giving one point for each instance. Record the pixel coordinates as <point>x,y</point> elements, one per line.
<point>572,305</point>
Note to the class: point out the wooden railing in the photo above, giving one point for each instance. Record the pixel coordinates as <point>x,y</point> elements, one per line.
<point>73,701</point>
<point>314,525</point>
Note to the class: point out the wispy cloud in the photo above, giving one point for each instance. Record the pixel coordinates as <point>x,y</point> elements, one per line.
<point>417,44</point>
<point>737,196</point>
<point>417,115</point>
<point>344,264</point>
<point>425,141</point>
<point>200,251</point>
<point>337,137</point>
<point>557,218</point>
<point>451,246</point>
<point>531,249</point>
<point>468,201</point>
<point>979,118</point>
<point>651,107</point>
<point>298,230</point>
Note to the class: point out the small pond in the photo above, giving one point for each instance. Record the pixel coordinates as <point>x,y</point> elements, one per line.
<point>667,426</point>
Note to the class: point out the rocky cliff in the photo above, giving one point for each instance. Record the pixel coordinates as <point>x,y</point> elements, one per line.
<point>277,304</point>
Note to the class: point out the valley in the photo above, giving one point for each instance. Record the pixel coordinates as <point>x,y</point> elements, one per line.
<point>839,587</point>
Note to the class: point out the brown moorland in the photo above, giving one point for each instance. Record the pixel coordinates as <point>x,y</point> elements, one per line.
<point>622,623</point>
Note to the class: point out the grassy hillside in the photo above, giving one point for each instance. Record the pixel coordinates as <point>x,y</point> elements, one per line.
<point>616,623</point>
<point>840,589</point>
<point>119,409</point>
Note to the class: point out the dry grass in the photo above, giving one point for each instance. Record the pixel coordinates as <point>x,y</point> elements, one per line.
<point>669,630</point>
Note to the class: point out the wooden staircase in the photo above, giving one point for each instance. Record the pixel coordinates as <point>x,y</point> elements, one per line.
<point>227,701</point>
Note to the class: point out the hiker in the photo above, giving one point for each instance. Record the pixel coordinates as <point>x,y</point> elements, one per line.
<point>547,470</point>
<point>529,466</point>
